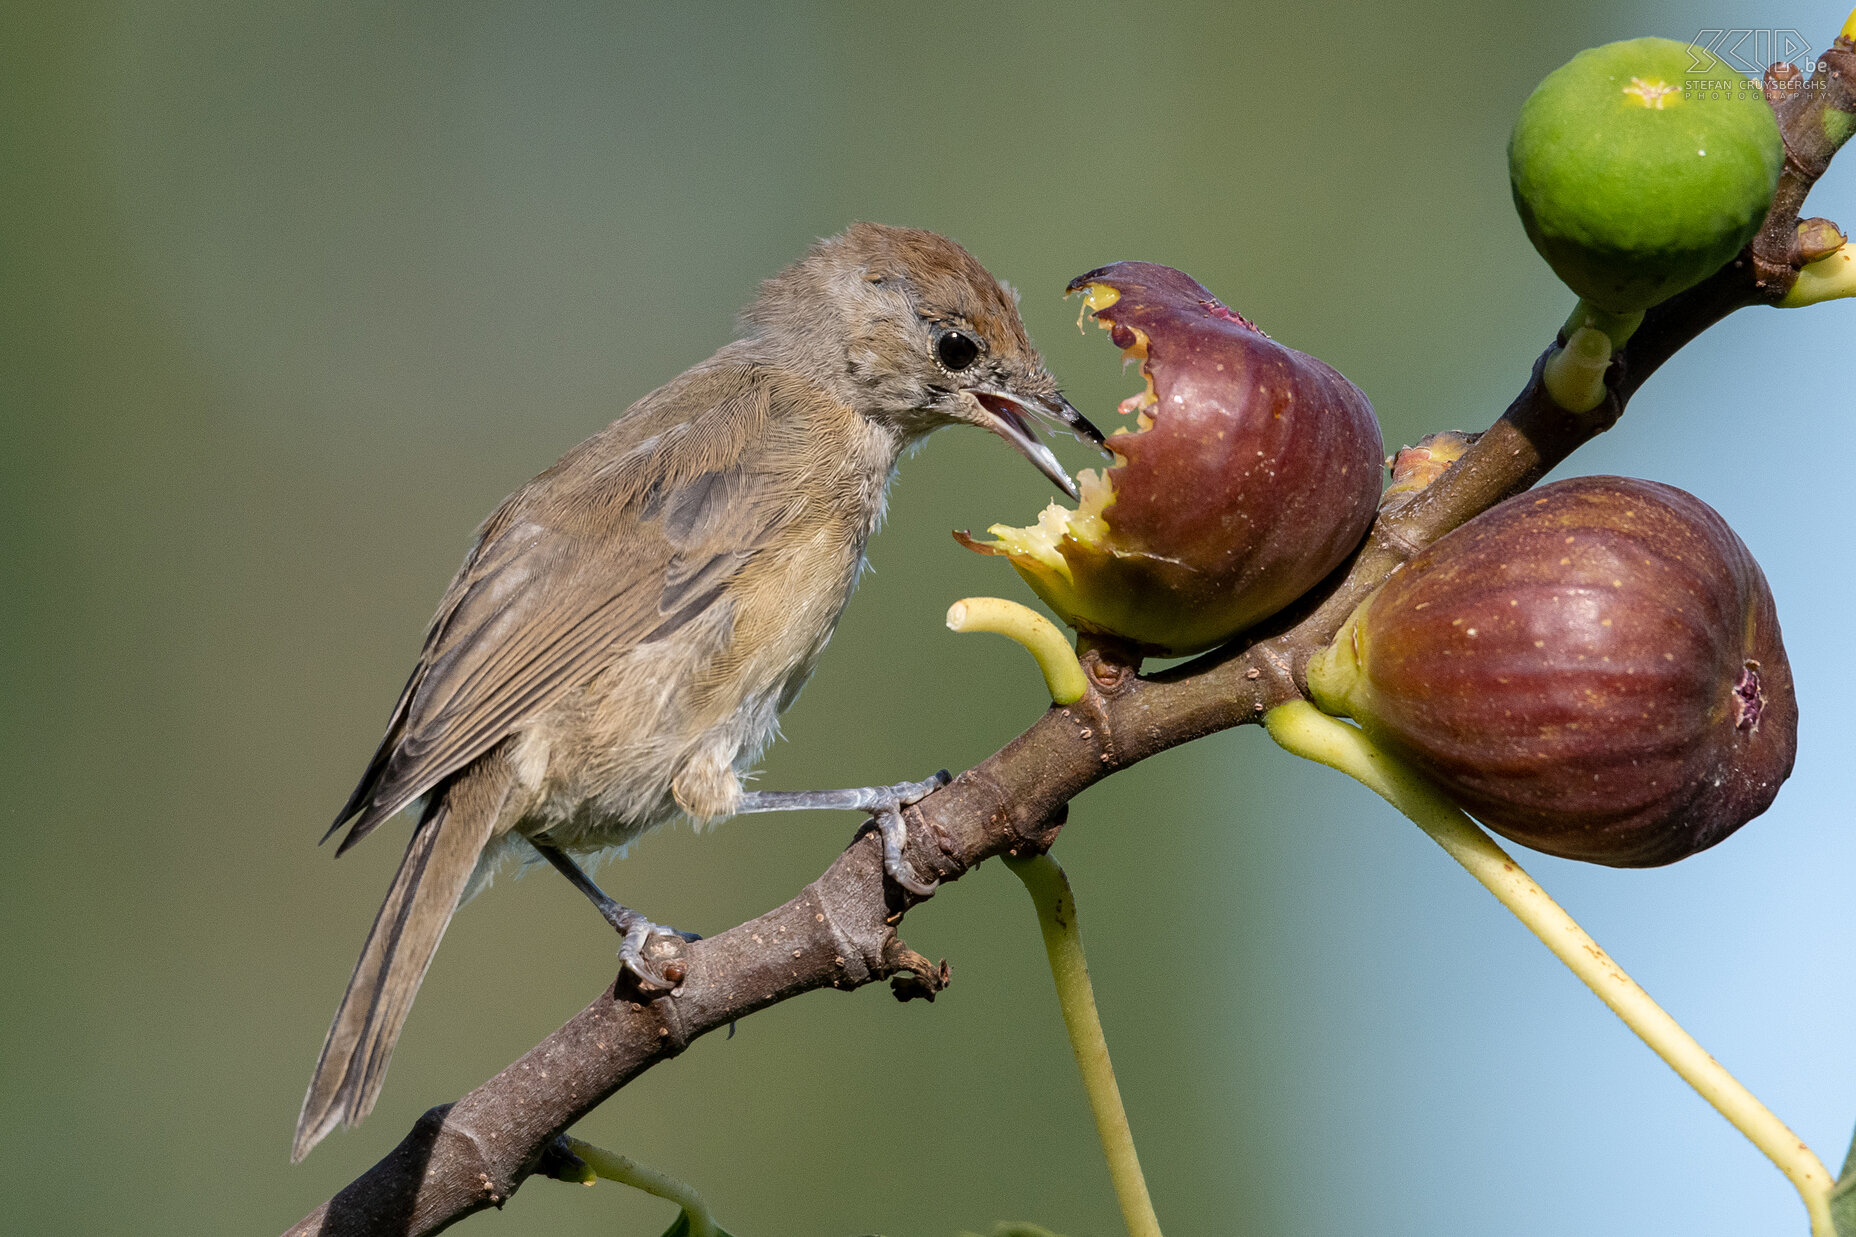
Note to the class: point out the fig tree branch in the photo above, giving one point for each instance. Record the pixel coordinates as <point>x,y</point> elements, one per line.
<point>840,931</point>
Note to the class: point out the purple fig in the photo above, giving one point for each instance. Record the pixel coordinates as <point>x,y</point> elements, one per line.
<point>1253,471</point>
<point>1593,669</point>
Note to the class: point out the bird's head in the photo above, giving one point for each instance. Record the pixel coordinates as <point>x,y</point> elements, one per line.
<point>909,329</point>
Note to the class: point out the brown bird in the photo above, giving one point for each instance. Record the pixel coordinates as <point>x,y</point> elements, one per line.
<point>623,636</point>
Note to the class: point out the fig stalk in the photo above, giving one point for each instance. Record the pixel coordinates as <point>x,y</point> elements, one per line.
<point>1300,728</point>
<point>1063,944</point>
<point>1063,673</point>
<point>1575,373</point>
<point>1827,279</point>
<point>1619,327</point>
<point>627,1171</point>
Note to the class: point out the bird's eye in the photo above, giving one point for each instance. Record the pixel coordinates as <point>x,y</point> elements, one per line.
<point>956,349</point>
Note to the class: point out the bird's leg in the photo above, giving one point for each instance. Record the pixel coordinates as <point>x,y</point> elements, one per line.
<point>632,926</point>
<point>884,803</point>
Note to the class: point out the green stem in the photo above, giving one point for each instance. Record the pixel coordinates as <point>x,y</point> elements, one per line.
<point>627,1171</point>
<point>1574,374</point>
<point>1306,731</point>
<point>1063,674</point>
<point>1617,327</point>
<point>1063,942</point>
<point>1826,279</point>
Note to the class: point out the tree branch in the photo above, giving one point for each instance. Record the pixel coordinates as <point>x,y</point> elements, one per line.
<point>840,931</point>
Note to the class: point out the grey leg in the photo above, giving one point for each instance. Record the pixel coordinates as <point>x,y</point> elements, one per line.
<point>632,926</point>
<point>884,803</point>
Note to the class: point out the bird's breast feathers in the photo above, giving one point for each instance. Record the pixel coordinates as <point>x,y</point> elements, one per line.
<point>697,705</point>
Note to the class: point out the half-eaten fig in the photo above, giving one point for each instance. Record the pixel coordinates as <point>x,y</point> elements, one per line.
<point>1253,472</point>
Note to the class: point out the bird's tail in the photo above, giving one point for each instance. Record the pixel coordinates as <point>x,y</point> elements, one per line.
<point>439,861</point>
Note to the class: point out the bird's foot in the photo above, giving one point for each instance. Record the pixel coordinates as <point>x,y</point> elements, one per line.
<point>884,803</point>
<point>646,962</point>
<point>637,931</point>
<point>887,814</point>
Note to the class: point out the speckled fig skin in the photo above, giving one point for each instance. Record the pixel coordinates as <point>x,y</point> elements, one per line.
<point>1593,669</point>
<point>1260,474</point>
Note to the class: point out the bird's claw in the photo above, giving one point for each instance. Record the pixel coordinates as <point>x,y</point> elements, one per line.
<point>895,834</point>
<point>652,974</point>
<point>895,831</point>
<point>908,794</point>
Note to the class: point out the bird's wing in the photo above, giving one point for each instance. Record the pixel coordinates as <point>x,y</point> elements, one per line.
<point>630,536</point>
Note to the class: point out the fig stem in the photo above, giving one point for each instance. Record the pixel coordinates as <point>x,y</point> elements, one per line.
<point>1063,673</point>
<point>1826,279</point>
<point>1617,327</point>
<point>627,1171</point>
<point>1301,728</point>
<point>1063,943</point>
<point>1575,371</point>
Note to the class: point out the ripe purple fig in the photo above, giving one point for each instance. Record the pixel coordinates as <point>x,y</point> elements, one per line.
<point>1592,668</point>
<point>1254,471</point>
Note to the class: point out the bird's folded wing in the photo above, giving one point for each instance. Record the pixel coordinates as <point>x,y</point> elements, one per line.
<point>623,542</point>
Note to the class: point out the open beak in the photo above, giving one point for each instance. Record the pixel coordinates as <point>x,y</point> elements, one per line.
<point>1010,416</point>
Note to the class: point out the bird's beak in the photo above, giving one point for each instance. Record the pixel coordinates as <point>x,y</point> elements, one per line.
<point>1006,416</point>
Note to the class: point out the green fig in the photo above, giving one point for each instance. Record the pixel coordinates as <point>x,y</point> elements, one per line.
<point>1641,167</point>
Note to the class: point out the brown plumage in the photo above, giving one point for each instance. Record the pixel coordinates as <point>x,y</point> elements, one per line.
<point>620,642</point>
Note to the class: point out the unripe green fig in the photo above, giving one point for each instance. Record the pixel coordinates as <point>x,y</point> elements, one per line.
<point>1592,668</point>
<point>1640,168</point>
<point>1253,470</point>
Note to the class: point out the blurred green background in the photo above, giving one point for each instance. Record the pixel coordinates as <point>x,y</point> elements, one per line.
<point>292,294</point>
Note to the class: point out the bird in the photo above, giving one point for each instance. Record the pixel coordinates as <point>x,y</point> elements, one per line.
<point>618,646</point>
